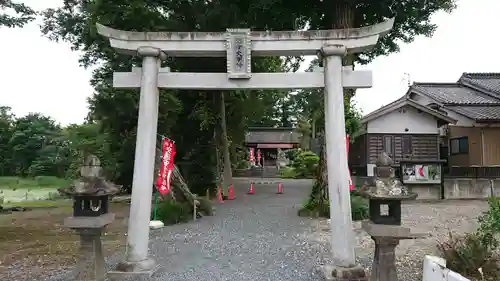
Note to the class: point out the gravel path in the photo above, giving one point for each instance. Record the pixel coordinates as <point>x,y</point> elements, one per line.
<point>260,238</point>
<point>256,237</point>
<point>434,219</point>
<point>253,238</point>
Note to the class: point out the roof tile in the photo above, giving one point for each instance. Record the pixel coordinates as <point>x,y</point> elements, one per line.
<point>479,113</point>
<point>486,81</point>
<point>453,93</point>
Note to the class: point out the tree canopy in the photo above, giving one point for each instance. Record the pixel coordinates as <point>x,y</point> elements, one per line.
<point>14,14</point>
<point>192,118</point>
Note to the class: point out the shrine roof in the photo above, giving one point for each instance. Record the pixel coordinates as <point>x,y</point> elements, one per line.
<point>272,135</point>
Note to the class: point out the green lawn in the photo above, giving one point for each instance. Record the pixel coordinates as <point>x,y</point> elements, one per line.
<point>41,204</point>
<point>15,189</point>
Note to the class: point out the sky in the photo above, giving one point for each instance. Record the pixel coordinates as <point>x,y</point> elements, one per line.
<point>38,75</point>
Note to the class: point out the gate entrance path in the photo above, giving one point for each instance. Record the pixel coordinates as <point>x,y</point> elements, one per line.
<point>255,237</point>
<point>238,46</point>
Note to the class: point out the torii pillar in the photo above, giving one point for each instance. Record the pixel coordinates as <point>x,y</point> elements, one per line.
<point>238,46</point>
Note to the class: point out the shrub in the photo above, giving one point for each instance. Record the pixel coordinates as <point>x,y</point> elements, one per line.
<point>288,173</point>
<point>305,164</point>
<point>359,208</point>
<point>489,223</point>
<point>291,154</point>
<point>467,254</point>
<point>242,164</point>
<point>172,212</point>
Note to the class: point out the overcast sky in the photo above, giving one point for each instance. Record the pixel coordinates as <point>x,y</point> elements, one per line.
<point>42,76</point>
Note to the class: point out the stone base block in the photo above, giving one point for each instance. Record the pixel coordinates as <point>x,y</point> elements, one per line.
<point>89,222</point>
<point>336,273</point>
<point>133,270</point>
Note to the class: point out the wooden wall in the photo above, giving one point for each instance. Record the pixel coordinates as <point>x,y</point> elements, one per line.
<point>402,146</point>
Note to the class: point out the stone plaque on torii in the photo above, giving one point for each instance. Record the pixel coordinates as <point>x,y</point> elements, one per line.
<point>238,46</point>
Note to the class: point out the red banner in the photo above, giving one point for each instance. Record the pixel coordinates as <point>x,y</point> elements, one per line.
<point>351,185</point>
<point>258,157</point>
<point>167,167</point>
<point>252,156</point>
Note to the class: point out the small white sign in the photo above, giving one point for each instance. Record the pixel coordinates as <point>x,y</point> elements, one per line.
<point>239,54</point>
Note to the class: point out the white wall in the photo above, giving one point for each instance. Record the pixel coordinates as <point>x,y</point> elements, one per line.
<point>398,120</point>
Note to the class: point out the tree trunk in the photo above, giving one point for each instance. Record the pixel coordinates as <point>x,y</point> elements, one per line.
<point>343,17</point>
<point>227,178</point>
<point>218,158</point>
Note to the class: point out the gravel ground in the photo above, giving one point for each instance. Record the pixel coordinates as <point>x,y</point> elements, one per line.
<point>260,238</point>
<point>433,219</point>
<point>255,237</point>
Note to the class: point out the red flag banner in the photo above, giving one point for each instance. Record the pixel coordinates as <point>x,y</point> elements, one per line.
<point>252,156</point>
<point>167,167</point>
<point>351,185</point>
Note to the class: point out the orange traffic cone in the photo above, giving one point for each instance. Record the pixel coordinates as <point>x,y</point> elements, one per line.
<point>250,190</point>
<point>280,188</point>
<point>219,195</point>
<point>231,194</point>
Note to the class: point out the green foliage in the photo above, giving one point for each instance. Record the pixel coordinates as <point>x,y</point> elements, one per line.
<point>305,164</point>
<point>291,154</point>
<point>172,212</point>
<point>242,164</point>
<point>288,173</point>
<point>469,253</point>
<point>359,208</point>
<point>191,117</point>
<point>37,182</point>
<point>34,145</point>
<point>15,14</point>
<point>489,223</point>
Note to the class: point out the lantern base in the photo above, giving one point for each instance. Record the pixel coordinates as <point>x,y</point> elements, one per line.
<point>156,224</point>
<point>126,269</point>
<point>89,222</point>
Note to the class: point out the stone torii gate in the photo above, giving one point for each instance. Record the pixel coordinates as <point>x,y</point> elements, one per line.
<point>238,46</point>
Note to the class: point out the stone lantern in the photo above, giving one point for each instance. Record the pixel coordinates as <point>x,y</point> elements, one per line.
<point>90,215</point>
<point>384,226</point>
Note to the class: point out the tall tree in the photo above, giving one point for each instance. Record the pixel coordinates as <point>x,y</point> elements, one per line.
<point>227,179</point>
<point>412,19</point>
<point>192,117</point>
<point>116,109</point>
<point>14,14</point>
<point>31,134</point>
<point>6,123</point>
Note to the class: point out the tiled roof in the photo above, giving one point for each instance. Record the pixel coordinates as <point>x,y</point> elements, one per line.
<point>478,113</point>
<point>489,82</point>
<point>272,135</point>
<point>453,94</point>
<point>475,95</point>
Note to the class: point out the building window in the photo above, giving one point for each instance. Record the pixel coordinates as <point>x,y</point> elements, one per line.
<point>387,145</point>
<point>459,145</point>
<point>407,149</point>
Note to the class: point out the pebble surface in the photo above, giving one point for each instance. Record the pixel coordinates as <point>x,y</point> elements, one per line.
<point>260,238</point>
<point>436,220</point>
